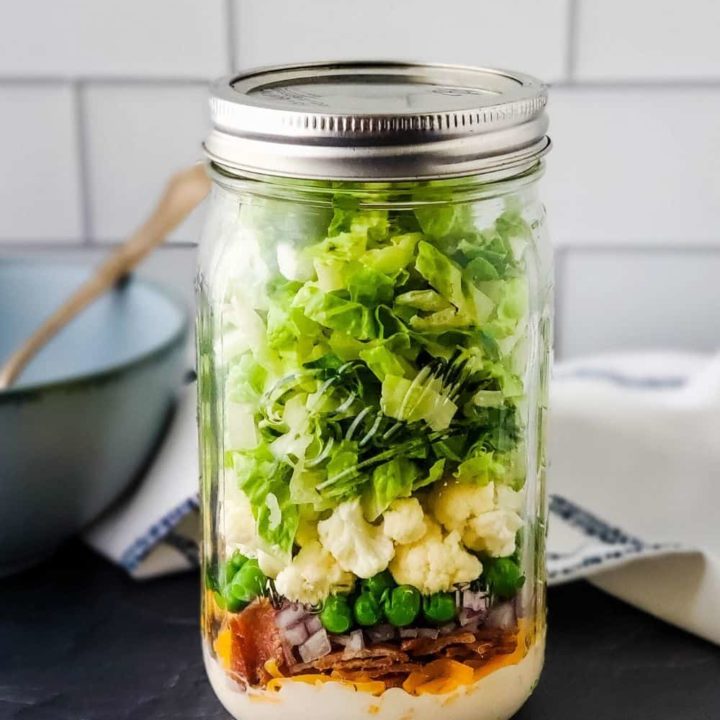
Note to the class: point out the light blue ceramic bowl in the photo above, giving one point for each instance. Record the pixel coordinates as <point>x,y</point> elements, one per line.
<point>85,415</point>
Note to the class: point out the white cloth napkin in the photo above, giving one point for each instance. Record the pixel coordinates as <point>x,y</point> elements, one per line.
<point>634,439</point>
<point>634,483</point>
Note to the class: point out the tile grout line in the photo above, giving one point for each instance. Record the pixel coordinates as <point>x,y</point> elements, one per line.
<point>231,38</point>
<point>619,84</point>
<point>65,244</point>
<point>572,41</point>
<point>151,80</point>
<point>648,84</point>
<point>640,248</point>
<point>83,165</point>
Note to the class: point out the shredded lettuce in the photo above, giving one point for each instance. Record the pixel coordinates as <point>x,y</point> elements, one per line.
<point>410,400</point>
<point>265,482</point>
<point>390,481</point>
<point>382,357</point>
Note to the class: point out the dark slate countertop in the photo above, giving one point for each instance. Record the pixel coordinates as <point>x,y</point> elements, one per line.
<point>80,641</point>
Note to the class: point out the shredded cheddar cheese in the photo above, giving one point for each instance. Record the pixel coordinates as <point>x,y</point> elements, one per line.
<point>513,658</point>
<point>272,669</point>
<point>223,647</point>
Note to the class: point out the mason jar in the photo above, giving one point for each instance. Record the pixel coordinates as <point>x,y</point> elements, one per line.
<point>374,333</point>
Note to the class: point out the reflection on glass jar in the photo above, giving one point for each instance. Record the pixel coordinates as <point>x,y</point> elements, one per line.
<point>372,362</point>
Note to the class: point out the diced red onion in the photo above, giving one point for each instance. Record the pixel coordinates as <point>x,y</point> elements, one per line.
<point>290,615</point>
<point>406,633</point>
<point>313,624</point>
<point>467,616</point>
<point>316,646</point>
<point>477,601</point>
<point>501,616</point>
<point>381,633</point>
<point>431,633</point>
<point>295,635</point>
<point>355,643</point>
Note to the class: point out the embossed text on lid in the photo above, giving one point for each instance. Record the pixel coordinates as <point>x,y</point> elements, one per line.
<point>377,120</point>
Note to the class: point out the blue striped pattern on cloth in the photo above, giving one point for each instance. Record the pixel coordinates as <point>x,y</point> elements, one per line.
<point>157,533</point>
<point>601,545</point>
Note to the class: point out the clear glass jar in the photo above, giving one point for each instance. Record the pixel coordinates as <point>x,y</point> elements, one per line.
<point>373,362</point>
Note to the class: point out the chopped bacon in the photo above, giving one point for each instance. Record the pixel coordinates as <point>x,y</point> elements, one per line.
<point>375,651</point>
<point>380,654</point>
<point>428,646</point>
<point>479,648</point>
<point>256,639</point>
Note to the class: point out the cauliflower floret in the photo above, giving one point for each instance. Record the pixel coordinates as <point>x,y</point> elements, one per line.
<point>508,499</point>
<point>454,503</point>
<point>493,532</point>
<point>486,516</point>
<point>404,521</point>
<point>312,576</point>
<point>434,563</point>
<point>239,524</point>
<point>358,546</point>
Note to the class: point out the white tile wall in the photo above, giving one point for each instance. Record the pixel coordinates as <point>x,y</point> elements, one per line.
<point>620,300</point>
<point>136,137</point>
<point>176,38</point>
<point>656,39</point>
<point>100,101</point>
<point>513,33</point>
<point>635,165</point>
<point>39,171</point>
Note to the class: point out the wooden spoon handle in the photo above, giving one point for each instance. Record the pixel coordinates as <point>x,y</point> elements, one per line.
<point>184,191</point>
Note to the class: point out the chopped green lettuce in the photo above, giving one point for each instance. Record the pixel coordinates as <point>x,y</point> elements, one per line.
<point>384,357</point>
<point>390,481</point>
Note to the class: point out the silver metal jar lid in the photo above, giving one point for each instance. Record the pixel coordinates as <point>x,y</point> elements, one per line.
<point>377,121</point>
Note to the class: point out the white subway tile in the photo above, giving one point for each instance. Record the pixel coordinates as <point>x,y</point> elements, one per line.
<point>177,38</point>
<point>648,39</point>
<point>39,178</point>
<point>137,137</point>
<point>634,165</point>
<point>614,299</point>
<point>518,34</point>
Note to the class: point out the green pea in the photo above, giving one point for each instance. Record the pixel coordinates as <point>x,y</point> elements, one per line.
<point>439,608</point>
<point>378,584</point>
<point>233,564</point>
<point>402,605</point>
<point>367,609</point>
<point>230,602</point>
<point>503,577</point>
<point>248,583</point>
<point>336,615</point>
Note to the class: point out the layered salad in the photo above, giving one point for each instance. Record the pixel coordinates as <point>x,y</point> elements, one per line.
<point>365,425</point>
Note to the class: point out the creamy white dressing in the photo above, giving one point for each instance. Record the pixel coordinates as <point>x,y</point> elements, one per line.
<point>497,696</point>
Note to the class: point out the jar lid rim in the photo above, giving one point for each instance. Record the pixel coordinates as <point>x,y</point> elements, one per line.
<point>376,120</point>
